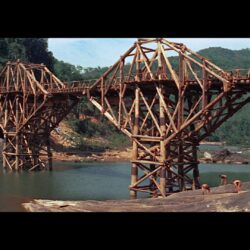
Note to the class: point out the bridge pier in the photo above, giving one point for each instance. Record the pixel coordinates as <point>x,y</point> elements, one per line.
<point>162,145</point>
<point>49,154</point>
<point>33,101</point>
<point>195,165</point>
<point>169,173</point>
<point>134,174</point>
<point>3,153</point>
<point>17,134</point>
<point>134,170</point>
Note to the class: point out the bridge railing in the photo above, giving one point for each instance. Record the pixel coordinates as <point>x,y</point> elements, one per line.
<point>234,74</point>
<point>72,85</point>
<point>9,89</point>
<point>239,73</point>
<point>80,84</point>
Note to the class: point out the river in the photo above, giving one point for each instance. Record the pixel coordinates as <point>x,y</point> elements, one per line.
<point>89,181</point>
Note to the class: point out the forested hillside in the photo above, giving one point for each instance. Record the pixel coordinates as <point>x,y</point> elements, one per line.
<point>35,50</point>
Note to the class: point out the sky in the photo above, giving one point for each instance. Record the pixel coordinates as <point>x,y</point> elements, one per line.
<point>93,52</point>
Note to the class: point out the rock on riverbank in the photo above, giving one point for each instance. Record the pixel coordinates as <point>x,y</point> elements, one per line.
<point>225,156</point>
<point>221,199</point>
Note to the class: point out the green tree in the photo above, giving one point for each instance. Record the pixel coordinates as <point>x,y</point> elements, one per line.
<point>37,51</point>
<point>29,50</point>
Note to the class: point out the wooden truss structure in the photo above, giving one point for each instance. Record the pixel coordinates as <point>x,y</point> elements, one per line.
<point>32,103</point>
<point>167,106</point>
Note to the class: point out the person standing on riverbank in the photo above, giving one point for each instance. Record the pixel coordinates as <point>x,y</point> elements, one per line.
<point>237,184</point>
<point>223,179</point>
<point>205,188</point>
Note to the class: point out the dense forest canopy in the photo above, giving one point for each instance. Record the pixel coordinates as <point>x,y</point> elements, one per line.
<point>35,50</point>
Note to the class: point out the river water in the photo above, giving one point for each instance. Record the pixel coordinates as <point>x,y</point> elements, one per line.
<point>89,181</point>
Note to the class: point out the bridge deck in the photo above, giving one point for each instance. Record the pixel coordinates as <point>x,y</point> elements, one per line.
<point>82,88</point>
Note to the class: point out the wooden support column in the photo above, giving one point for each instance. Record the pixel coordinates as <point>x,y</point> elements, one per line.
<point>121,92</point>
<point>205,86</point>
<point>17,134</point>
<point>169,173</point>
<point>151,182</point>
<point>21,157</point>
<point>206,98</point>
<point>180,121</point>
<point>196,173</point>
<point>4,149</point>
<point>195,165</point>
<point>35,153</point>
<point>102,95</point>
<point>49,153</point>
<point>181,165</point>
<point>138,67</point>
<point>48,145</point>
<point>5,137</point>
<point>162,145</point>
<point>134,169</point>
<point>152,166</point>
<point>160,59</point>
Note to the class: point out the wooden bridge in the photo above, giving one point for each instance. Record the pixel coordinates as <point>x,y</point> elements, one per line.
<point>165,106</point>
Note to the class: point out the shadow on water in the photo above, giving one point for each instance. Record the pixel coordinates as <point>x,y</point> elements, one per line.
<point>89,181</point>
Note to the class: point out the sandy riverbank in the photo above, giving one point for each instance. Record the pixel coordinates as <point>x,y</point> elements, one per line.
<point>78,156</point>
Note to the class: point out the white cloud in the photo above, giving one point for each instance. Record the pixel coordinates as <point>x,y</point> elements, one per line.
<point>89,52</point>
<point>93,52</point>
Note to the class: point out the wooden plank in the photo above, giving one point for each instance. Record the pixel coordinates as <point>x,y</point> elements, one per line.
<point>153,138</point>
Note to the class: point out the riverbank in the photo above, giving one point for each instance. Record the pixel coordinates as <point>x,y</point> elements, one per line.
<point>210,157</point>
<point>79,156</point>
<point>221,199</point>
<point>66,147</point>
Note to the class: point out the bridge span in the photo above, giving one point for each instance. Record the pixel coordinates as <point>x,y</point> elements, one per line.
<point>165,105</point>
